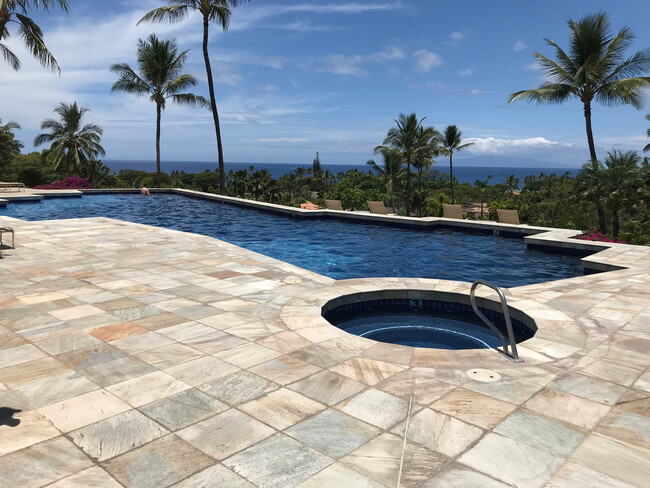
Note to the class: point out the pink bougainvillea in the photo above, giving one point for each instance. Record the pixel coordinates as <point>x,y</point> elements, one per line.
<point>596,236</point>
<point>69,183</point>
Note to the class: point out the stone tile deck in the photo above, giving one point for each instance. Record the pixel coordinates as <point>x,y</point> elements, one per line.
<point>137,356</point>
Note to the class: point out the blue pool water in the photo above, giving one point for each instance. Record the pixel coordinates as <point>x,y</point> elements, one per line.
<point>440,331</point>
<point>330,247</point>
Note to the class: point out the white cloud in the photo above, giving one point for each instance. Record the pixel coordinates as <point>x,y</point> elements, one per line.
<point>425,60</point>
<point>519,45</point>
<point>245,17</point>
<point>341,64</point>
<point>491,145</point>
<point>476,91</point>
<point>466,72</point>
<point>290,140</point>
<point>454,38</point>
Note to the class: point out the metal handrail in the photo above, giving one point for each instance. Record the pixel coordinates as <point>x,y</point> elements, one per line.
<point>513,355</point>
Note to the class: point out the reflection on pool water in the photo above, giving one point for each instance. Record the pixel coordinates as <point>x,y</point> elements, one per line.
<point>436,331</point>
<point>329,247</point>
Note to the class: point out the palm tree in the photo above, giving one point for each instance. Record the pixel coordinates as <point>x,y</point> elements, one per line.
<point>483,186</point>
<point>451,142</point>
<point>391,171</point>
<point>647,134</point>
<point>428,139</point>
<point>595,68</point>
<point>211,11</point>
<point>159,63</point>
<point>512,183</point>
<point>620,182</point>
<point>27,29</point>
<point>72,143</point>
<point>9,145</point>
<point>407,138</point>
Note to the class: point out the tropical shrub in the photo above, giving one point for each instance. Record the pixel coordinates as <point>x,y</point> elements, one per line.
<point>596,236</point>
<point>69,183</point>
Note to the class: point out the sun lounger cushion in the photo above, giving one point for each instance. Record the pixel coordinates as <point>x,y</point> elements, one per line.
<point>508,216</point>
<point>334,205</point>
<point>377,208</point>
<point>452,211</point>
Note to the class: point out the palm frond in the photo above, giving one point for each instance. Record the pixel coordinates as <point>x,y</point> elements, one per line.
<point>190,100</point>
<point>10,57</point>
<point>637,64</point>
<point>179,84</point>
<point>33,39</point>
<point>565,61</point>
<point>220,14</point>
<point>553,72</point>
<point>628,91</point>
<point>547,93</point>
<point>170,13</point>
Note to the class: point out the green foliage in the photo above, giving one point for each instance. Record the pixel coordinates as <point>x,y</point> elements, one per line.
<point>71,144</point>
<point>14,12</point>
<point>9,145</point>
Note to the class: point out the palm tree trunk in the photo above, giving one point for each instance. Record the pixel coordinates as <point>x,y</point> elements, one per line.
<point>213,105</point>
<point>602,223</point>
<point>615,223</point>
<point>158,115</point>
<point>408,187</point>
<point>420,192</point>
<point>451,177</point>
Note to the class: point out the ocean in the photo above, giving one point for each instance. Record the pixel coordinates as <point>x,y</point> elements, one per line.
<point>464,174</point>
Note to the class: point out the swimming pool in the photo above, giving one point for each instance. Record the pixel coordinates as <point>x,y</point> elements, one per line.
<point>329,247</point>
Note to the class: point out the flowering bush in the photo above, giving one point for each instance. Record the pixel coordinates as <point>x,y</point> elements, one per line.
<point>69,183</point>
<point>595,236</point>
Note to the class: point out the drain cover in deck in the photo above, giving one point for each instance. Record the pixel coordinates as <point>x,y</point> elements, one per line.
<point>484,375</point>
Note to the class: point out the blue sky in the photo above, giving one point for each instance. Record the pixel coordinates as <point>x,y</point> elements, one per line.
<point>298,77</point>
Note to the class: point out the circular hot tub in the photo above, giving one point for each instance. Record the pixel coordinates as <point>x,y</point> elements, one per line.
<point>430,323</point>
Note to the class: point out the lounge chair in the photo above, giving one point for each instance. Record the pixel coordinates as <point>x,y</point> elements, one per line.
<point>508,216</point>
<point>452,211</point>
<point>377,208</point>
<point>6,185</point>
<point>334,205</point>
<point>11,231</point>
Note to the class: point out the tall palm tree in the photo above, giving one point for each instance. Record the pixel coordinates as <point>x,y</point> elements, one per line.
<point>391,171</point>
<point>159,64</point>
<point>71,143</point>
<point>451,141</point>
<point>647,134</point>
<point>407,138</point>
<point>28,30</point>
<point>211,11</point>
<point>620,182</point>
<point>595,68</point>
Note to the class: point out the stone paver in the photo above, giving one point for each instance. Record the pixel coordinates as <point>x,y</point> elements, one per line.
<point>139,356</point>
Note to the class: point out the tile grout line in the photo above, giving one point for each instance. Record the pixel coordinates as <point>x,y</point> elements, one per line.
<point>406,429</point>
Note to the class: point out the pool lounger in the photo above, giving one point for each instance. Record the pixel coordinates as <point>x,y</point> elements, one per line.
<point>7,229</point>
<point>379,208</point>
<point>334,205</point>
<point>508,216</point>
<point>452,211</point>
<point>6,185</point>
